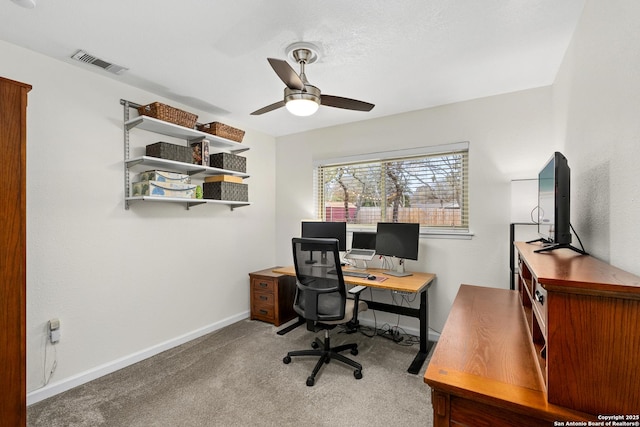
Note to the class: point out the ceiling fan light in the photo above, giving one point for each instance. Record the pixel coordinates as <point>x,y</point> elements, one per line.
<point>302,107</point>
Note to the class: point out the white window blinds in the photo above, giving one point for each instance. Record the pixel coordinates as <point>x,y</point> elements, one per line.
<point>430,188</point>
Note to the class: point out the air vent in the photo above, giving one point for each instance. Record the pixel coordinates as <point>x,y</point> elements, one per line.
<point>83,56</point>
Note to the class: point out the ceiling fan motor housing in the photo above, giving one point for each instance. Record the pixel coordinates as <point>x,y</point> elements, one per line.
<point>310,93</point>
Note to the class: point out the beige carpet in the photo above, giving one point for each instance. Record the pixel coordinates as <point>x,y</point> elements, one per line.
<point>235,377</point>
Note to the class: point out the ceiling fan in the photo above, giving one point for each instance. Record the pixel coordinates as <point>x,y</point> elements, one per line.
<point>300,97</point>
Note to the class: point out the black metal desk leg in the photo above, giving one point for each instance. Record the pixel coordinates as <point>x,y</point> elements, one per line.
<point>301,321</point>
<point>425,345</point>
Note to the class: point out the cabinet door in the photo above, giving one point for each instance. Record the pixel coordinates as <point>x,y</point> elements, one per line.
<point>13,103</point>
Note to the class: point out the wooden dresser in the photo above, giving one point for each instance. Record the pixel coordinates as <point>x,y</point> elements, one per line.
<point>563,347</point>
<point>272,296</point>
<point>13,255</point>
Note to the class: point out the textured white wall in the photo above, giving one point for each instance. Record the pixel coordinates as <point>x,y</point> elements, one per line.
<point>597,107</point>
<point>510,137</point>
<point>122,282</point>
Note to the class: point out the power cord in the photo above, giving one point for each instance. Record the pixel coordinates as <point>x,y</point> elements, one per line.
<point>46,378</point>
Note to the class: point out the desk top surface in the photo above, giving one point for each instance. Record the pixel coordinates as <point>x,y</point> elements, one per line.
<point>484,351</point>
<point>414,283</point>
<point>565,270</point>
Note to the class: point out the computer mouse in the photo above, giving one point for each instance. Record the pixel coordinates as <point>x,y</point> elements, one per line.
<point>371,277</point>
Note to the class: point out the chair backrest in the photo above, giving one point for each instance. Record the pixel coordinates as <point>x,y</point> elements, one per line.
<point>320,290</point>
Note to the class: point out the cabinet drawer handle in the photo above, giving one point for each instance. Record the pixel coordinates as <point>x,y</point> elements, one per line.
<point>264,312</point>
<point>263,297</point>
<point>263,284</point>
<point>539,297</point>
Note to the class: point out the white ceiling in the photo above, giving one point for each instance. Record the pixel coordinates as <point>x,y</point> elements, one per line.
<point>400,55</point>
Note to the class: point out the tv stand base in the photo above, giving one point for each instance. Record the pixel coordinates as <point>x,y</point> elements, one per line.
<point>554,246</point>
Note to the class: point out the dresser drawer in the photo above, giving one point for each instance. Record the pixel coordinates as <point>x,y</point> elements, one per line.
<point>263,312</point>
<point>263,298</point>
<point>263,284</point>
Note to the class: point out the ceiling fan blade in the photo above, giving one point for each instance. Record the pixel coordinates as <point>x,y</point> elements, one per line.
<point>346,103</point>
<point>286,73</point>
<point>268,108</point>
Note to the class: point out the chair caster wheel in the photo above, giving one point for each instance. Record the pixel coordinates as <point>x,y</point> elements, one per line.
<point>311,381</point>
<point>286,360</point>
<point>354,351</point>
<point>314,345</point>
<point>357,374</point>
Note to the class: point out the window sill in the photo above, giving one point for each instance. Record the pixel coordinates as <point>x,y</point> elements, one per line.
<point>424,232</point>
<point>459,235</point>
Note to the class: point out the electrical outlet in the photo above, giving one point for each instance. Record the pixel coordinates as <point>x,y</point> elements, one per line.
<point>54,330</point>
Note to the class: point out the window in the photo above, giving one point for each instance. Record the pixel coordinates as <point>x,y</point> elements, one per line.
<point>428,186</point>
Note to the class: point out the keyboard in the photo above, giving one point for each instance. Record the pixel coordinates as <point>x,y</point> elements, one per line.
<point>350,273</point>
<point>354,274</point>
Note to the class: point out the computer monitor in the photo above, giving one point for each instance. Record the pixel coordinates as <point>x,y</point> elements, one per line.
<point>399,240</point>
<point>326,230</point>
<point>363,240</point>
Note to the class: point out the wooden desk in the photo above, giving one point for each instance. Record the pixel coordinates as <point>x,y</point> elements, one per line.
<point>416,283</point>
<point>483,370</point>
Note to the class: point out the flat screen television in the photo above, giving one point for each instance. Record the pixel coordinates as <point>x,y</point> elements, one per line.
<point>554,199</point>
<point>400,240</point>
<point>326,230</point>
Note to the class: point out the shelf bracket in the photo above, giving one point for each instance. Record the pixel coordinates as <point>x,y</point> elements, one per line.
<point>191,204</point>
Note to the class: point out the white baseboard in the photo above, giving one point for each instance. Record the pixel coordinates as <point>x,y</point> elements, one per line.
<point>99,371</point>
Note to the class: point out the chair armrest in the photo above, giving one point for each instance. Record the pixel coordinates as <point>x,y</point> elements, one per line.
<point>352,325</point>
<point>356,290</point>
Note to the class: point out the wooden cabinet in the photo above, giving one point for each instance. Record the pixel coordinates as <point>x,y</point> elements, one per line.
<point>584,318</point>
<point>13,158</point>
<point>483,371</point>
<point>563,347</point>
<point>272,296</point>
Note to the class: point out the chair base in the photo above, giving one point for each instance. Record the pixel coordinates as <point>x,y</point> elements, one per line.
<point>325,352</point>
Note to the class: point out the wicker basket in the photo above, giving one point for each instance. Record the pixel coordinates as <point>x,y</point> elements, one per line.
<point>169,114</point>
<point>222,130</point>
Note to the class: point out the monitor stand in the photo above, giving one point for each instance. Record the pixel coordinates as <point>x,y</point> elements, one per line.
<point>323,260</point>
<point>553,246</point>
<point>547,246</point>
<point>399,271</point>
<point>356,265</point>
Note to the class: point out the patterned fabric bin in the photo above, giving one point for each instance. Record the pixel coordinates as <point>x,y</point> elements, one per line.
<point>228,161</point>
<point>164,176</point>
<point>163,189</point>
<point>167,151</point>
<point>223,190</point>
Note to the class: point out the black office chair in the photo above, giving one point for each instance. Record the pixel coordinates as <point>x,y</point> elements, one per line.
<point>321,299</point>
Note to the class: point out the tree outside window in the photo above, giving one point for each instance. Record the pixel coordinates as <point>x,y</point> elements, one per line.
<point>427,189</point>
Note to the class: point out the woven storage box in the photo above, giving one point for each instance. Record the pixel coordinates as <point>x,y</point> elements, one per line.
<point>165,150</point>
<point>228,161</point>
<point>169,114</point>
<point>222,130</point>
<point>223,190</point>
